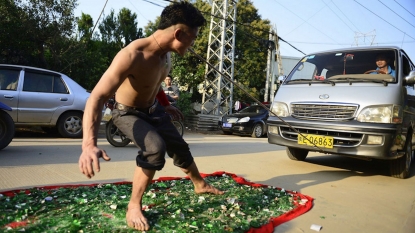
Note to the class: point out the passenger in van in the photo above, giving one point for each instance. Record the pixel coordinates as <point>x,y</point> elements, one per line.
<point>382,63</point>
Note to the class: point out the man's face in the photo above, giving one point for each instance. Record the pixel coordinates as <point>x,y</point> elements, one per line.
<point>167,81</point>
<point>187,38</point>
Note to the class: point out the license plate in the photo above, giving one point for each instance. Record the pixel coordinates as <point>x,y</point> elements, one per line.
<point>227,125</point>
<point>320,141</point>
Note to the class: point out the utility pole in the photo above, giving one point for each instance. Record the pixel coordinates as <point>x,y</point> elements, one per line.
<point>279,63</point>
<point>269,67</point>
<point>218,91</point>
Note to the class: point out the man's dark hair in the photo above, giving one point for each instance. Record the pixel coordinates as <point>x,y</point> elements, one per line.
<point>169,75</point>
<point>181,12</point>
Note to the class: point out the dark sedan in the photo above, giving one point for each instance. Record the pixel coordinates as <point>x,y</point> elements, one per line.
<point>249,121</point>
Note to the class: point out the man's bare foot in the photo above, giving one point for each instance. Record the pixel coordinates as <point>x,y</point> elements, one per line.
<point>136,219</point>
<point>207,188</point>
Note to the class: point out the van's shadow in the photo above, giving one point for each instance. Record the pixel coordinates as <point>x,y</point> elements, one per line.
<point>351,168</point>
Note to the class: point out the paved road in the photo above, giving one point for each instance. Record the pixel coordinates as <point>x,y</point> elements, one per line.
<point>350,195</point>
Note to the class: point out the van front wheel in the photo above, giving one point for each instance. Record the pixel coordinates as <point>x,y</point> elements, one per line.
<point>296,154</point>
<point>400,167</point>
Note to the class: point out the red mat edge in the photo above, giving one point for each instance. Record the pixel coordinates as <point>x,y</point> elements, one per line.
<point>267,228</point>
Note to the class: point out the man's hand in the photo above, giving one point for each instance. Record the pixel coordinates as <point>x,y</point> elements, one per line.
<point>91,156</point>
<point>174,112</point>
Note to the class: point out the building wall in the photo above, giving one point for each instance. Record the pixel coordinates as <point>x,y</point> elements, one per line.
<point>288,63</point>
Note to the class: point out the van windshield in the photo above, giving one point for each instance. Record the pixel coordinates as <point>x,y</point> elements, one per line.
<point>348,66</point>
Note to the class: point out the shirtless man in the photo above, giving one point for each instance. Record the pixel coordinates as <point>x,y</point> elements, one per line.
<point>136,74</point>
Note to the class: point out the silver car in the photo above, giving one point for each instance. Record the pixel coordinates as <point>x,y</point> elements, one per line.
<point>44,98</point>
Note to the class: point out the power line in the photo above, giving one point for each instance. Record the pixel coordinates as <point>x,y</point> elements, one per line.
<point>404,8</point>
<point>306,21</point>
<point>396,13</point>
<point>137,10</point>
<point>383,19</point>
<point>337,15</point>
<point>102,11</point>
<point>155,3</point>
<point>345,15</point>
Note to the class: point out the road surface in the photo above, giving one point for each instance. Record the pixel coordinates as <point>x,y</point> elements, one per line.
<point>350,195</point>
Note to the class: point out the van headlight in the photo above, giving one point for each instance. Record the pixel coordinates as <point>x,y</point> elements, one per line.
<point>280,109</point>
<point>381,114</point>
<point>245,119</point>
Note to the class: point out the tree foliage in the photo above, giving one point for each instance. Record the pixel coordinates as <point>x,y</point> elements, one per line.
<point>45,34</point>
<point>36,32</point>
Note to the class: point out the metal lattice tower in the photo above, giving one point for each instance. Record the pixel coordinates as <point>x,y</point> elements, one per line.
<point>358,35</point>
<point>218,91</point>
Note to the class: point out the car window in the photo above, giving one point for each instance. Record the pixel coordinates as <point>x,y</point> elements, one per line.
<point>59,86</point>
<point>343,66</point>
<point>253,109</point>
<point>9,79</point>
<point>42,82</point>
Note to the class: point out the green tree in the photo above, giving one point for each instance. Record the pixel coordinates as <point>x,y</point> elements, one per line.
<point>85,26</point>
<point>37,31</point>
<point>127,25</point>
<point>250,51</point>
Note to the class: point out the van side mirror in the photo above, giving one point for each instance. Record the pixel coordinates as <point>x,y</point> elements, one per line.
<point>410,79</point>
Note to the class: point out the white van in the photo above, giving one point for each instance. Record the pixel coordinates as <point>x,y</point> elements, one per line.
<point>340,102</point>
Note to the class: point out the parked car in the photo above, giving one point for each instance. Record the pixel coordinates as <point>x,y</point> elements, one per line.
<point>45,98</point>
<point>249,121</point>
<point>6,126</point>
<point>335,102</point>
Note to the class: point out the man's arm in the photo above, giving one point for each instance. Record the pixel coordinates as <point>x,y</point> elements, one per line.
<point>105,88</point>
<point>176,93</point>
<point>174,112</point>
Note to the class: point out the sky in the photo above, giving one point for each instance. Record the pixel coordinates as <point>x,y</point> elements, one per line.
<point>308,25</point>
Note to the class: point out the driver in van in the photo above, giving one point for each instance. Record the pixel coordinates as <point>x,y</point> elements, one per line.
<point>382,62</point>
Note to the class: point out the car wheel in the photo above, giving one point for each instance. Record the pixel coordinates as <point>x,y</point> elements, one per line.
<point>6,129</point>
<point>70,125</point>
<point>114,135</point>
<point>296,154</point>
<point>257,132</point>
<point>400,167</point>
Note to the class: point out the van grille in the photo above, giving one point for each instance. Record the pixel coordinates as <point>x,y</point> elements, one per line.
<point>330,112</point>
<point>341,139</point>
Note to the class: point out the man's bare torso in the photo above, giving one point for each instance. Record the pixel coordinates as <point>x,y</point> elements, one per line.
<point>148,70</point>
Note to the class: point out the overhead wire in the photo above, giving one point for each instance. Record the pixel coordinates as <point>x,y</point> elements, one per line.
<point>397,14</point>
<point>102,11</point>
<point>344,15</point>
<point>306,21</point>
<point>155,3</point>
<point>137,10</point>
<point>337,15</point>
<point>404,8</point>
<point>383,19</point>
